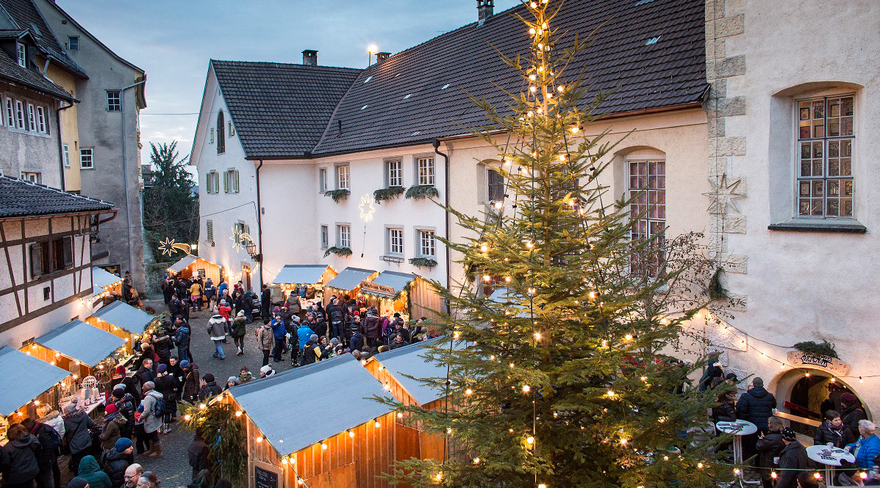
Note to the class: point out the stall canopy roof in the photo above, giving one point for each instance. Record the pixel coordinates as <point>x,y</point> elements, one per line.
<point>125,317</point>
<point>79,340</point>
<point>350,278</point>
<point>300,274</point>
<point>102,278</point>
<point>183,263</point>
<point>410,362</point>
<point>339,385</point>
<point>395,280</point>
<point>16,366</point>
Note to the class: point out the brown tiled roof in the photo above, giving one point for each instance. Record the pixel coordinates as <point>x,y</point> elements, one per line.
<point>651,51</point>
<point>280,110</point>
<point>19,198</point>
<point>12,72</point>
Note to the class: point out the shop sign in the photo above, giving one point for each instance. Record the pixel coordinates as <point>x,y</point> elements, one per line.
<point>370,287</point>
<point>828,363</point>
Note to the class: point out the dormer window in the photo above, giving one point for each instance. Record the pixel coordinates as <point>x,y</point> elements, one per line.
<point>21,51</point>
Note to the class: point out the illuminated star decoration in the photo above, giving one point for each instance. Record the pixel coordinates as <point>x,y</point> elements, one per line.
<point>722,193</point>
<point>367,208</point>
<point>167,247</point>
<point>236,239</point>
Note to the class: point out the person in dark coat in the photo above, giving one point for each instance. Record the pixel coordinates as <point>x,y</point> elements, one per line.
<point>793,464</point>
<point>76,433</point>
<point>852,413</point>
<point>756,406</point>
<point>47,454</point>
<point>769,446</point>
<point>167,386</point>
<point>265,302</point>
<point>725,411</point>
<point>115,461</point>
<point>90,471</point>
<point>210,388</point>
<point>336,315</point>
<point>147,371</point>
<point>832,431</point>
<point>357,342</point>
<point>191,381</point>
<point>182,339</point>
<point>163,343</point>
<point>125,405</point>
<point>198,455</point>
<point>18,458</point>
<point>372,328</point>
<point>311,351</point>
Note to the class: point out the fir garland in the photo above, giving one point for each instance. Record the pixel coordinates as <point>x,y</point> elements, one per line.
<point>339,251</point>
<point>337,195</point>
<point>224,433</point>
<point>423,262</point>
<point>811,347</point>
<point>419,192</point>
<point>387,193</point>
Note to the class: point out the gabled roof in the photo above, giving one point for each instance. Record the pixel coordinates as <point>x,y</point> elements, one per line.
<point>15,74</point>
<point>125,317</point>
<point>394,279</point>
<point>73,21</point>
<point>19,198</point>
<point>651,51</point>
<point>300,274</point>
<point>340,386</point>
<point>25,14</point>
<point>81,341</point>
<point>16,365</point>
<point>280,110</point>
<point>350,278</point>
<point>102,278</point>
<point>183,263</point>
<point>410,364</point>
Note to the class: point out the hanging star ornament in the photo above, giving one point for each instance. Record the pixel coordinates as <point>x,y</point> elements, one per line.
<point>723,193</point>
<point>167,247</point>
<point>367,208</point>
<point>236,239</point>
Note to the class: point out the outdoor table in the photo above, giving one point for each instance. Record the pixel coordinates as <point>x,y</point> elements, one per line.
<point>738,428</point>
<point>829,456</point>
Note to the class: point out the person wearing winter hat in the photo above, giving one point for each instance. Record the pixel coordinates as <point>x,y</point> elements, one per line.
<point>852,412</point>
<point>77,424</point>
<point>78,483</point>
<point>230,382</point>
<point>217,332</point>
<point>266,371</point>
<point>115,461</point>
<point>794,463</point>
<point>151,417</point>
<point>239,330</point>
<point>111,431</point>
<point>90,471</point>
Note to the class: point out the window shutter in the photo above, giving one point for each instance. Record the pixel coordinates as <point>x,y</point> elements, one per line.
<point>235,174</point>
<point>209,230</point>
<point>226,181</point>
<point>208,179</point>
<point>67,249</point>
<point>36,260</point>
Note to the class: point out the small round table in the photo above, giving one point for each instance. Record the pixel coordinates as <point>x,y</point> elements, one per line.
<point>738,428</point>
<point>829,456</point>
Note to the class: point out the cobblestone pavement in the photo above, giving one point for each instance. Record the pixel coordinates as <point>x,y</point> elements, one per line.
<point>173,467</point>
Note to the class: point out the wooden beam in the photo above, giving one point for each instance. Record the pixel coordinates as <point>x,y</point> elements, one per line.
<point>9,266</point>
<point>41,311</point>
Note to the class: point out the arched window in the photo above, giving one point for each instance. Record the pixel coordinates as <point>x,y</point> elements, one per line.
<point>221,134</point>
<point>646,189</point>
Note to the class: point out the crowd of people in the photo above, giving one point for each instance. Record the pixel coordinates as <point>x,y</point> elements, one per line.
<point>778,455</point>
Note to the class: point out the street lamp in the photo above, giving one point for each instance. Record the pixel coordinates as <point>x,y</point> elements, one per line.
<point>252,250</point>
<point>371,49</point>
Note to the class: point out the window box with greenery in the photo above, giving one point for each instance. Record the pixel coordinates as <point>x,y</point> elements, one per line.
<point>387,193</point>
<point>337,195</point>
<point>343,252</point>
<point>423,262</point>
<point>422,191</point>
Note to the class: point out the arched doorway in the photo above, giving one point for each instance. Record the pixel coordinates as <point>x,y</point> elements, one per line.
<point>806,393</point>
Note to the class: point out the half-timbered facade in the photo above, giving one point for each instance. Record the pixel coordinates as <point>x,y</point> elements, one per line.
<point>45,257</point>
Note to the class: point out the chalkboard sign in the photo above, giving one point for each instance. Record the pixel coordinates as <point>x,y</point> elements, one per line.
<point>264,478</point>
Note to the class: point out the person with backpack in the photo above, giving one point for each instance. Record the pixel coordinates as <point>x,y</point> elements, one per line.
<point>77,425</point>
<point>47,453</point>
<point>115,461</point>
<point>153,410</point>
<point>18,459</point>
<point>311,351</point>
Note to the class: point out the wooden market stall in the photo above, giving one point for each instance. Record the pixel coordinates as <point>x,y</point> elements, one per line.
<point>87,352</point>
<point>123,320</point>
<point>405,293</point>
<point>30,388</point>
<point>348,282</point>
<point>292,276</point>
<point>192,266</point>
<point>331,435</point>
<point>104,283</point>
<point>399,371</point>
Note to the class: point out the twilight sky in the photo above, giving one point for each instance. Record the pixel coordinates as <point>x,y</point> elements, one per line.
<point>173,41</point>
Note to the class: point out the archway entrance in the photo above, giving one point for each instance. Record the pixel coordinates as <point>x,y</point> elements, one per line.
<point>804,395</point>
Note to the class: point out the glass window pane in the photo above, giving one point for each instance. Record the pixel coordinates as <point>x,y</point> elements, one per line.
<point>846,167</point>
<point>818,188</point>
<point>847,208</point>
<point>847,188</point>
<point>846,126</point>
<point>833,207</point>
<point>833,128</point>
<point>833,188</point>
<point>818,109</point>
<point>804,206</point>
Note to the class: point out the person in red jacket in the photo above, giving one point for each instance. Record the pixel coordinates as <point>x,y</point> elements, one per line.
<point>225,311</point>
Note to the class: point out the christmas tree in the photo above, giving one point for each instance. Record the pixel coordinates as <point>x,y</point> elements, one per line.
<point>561,349</point>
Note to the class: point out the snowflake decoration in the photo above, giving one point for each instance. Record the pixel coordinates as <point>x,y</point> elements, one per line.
<point>367,208</point>
<point>723,192</point>
<point>167,247</point>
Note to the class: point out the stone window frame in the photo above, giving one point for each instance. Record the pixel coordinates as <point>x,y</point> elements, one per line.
<point>652,220</point>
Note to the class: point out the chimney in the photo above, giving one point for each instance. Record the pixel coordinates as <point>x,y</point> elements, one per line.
<point>382,56</point>
<point>485,8</point>
<point>310,57</point>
